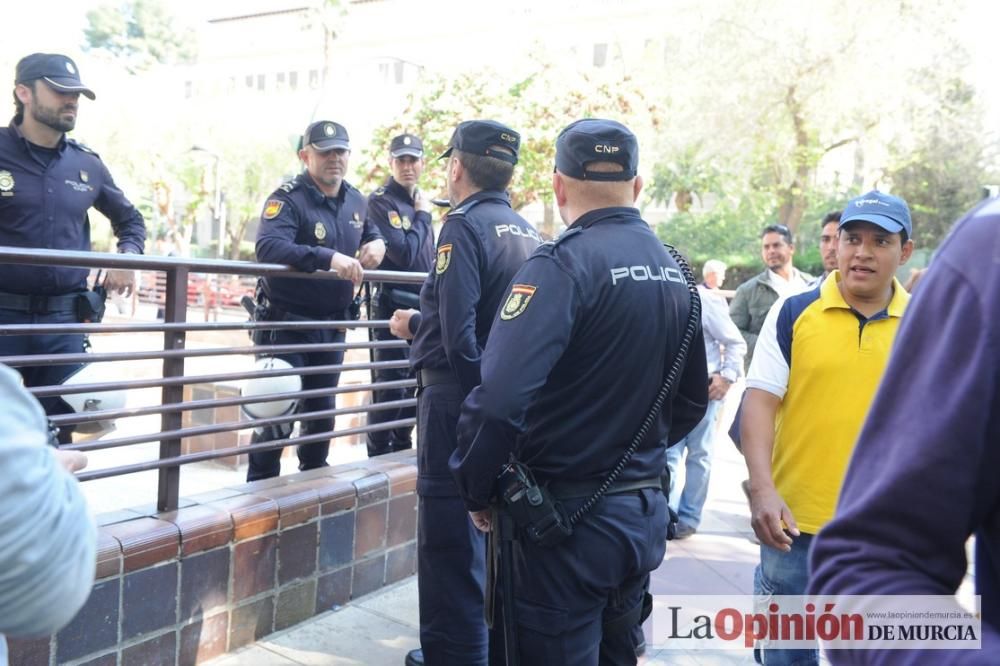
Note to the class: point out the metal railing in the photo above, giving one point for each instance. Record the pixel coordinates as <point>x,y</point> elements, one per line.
<point>172,380</point>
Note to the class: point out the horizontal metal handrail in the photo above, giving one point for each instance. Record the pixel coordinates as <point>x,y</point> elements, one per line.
<point>187,458</point>
<point>195,431</point>
<point>194,405</point>
<point>21,255</point>
<point>61,389</point>
<point>257,350</point>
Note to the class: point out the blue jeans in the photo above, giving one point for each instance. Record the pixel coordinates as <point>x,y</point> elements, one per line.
<point>698,467</point>
<point>781,573</point>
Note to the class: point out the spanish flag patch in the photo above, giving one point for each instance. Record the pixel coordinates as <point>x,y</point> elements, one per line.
<point>272,208</point>
<point>443,258</point>
<point>517,302</point>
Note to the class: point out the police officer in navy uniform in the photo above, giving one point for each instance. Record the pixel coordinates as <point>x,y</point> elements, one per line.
<point>579,350</point>
<point>314,222</point>
<point>402,215</point>
<point>482,244</point>
<point>47,185</point>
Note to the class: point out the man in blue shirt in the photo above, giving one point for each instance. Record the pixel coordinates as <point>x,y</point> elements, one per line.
<point>48,183</point>
<point>402,215</point>
<point>576,357</point>
<point>316,221</point>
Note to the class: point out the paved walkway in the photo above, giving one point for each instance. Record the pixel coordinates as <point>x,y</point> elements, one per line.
<point>379,629</point>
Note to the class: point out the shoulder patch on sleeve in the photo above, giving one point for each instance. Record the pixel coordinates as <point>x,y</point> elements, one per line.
<point>517,301</point>
<point>443,259</point>
<point>394,221</point>
<point>272,208</point>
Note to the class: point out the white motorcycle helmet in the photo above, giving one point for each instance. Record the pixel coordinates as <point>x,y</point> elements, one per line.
<point>92,401</point>
<point>263,386</point>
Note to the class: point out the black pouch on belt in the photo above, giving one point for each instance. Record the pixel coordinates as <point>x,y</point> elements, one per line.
<point>90,305</point>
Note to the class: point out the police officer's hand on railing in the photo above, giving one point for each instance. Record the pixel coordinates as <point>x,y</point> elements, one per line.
<point>422,202</point>
<point>121,281</point>
<point>371,253</point>
<point>72,461</point>
<point>399,324</point>
<point>346,267</point>
<point>770,517</point>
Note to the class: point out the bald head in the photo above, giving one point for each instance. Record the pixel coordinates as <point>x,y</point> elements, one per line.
<point>575,197</point>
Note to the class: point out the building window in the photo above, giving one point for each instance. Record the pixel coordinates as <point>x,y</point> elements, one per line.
<point>314,78</point>
<point>249,81</point>
<point>293,80</point>
<point>188,89</point>
<point>260,81</point>
<point>600,55</point>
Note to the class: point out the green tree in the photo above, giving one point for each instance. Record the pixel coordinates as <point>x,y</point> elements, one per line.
<point>527,105</point>
<point>938,166</point>
<point>139,32</point>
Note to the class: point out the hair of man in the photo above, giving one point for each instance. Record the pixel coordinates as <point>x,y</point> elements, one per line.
<point>486,173</point>
<point>779,229</point>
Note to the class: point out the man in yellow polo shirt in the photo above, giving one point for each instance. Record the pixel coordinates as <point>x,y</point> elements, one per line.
<point>819,358</point>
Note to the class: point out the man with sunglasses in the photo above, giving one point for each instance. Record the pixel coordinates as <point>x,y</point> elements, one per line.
<point>755,297</point>
<point>316,221</point>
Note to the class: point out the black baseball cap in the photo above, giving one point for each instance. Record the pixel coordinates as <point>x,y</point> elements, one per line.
<point>594,140</point>
<point>477,137</point>
<point>326,135</point>
<point>58,71</point>
<point>406,144</point>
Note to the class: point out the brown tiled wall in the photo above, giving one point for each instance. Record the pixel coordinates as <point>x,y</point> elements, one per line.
<point>234,565</point>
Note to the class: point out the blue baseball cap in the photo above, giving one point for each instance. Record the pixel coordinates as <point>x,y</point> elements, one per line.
<point>594,140</point>
<point>324,135</point>
<point>883,210</point>
<point>57,70</point>
<point>481,137</point>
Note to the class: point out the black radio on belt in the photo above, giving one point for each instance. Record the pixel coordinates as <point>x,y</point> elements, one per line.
<point>535,512</point>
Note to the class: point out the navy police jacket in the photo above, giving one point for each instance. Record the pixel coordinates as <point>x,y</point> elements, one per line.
<point>483,242</point>
<point>45,206</point>
<point>302,227</point>
<point>577,354</point>
<point>409,238</point>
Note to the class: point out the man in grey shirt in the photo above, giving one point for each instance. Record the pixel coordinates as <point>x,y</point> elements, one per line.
<point>724,349</point>
<point>48,539</point>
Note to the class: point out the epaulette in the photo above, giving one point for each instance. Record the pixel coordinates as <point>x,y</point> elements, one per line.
<point>379,192</point>
<point>289,185</point>
<point>84,148</point>
<point>464,208</point>
<point>569,233</point>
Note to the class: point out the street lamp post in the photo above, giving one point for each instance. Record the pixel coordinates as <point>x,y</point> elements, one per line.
<point>218,199</point>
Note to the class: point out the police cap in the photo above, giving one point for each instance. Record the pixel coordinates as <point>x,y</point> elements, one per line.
<point>406,144</point>
<point>57,70</point>
<point>479,137</point>
<point>594,140</point>
<point>326,135</point>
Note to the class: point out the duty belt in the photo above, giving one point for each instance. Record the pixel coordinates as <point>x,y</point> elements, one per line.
<point>39,303</point>
<point>432,376</point>
<point>564,490</point>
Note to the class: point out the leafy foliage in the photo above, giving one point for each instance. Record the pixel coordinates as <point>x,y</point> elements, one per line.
<point>140,32</point>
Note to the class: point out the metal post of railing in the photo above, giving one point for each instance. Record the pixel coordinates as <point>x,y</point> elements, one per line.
<point>175,310</point>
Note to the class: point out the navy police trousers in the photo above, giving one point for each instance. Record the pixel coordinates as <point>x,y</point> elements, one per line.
<point>451,552</point>
<point>564,595</point>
